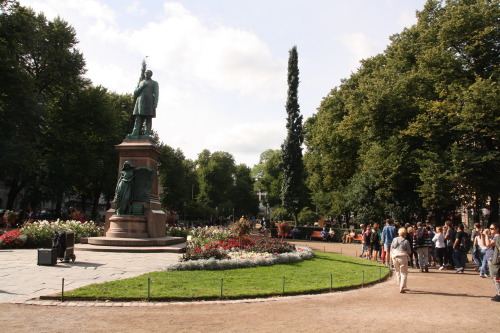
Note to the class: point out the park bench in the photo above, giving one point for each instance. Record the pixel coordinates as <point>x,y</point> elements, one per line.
<point>358,238</point>
<point>316,234</point>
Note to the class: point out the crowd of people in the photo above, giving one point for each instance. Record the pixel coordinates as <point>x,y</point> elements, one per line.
<point>421,246</point>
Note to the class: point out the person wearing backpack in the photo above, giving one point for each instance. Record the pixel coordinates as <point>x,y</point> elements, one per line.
<point>421,244</point>
<point>375,242</point>
<point>461,247</point>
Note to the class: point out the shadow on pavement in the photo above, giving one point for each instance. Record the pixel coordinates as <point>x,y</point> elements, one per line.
<point>77,263</point>
<point>421,292</point>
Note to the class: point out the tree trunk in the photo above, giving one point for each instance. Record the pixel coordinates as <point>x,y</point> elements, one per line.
<point>494,207</point>
<point>58,208</point>
<point>347,217</point>
<point>84,206</point>
<point>15,188</point>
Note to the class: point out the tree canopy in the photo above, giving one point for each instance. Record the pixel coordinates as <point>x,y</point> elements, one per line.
<point>414,132</point>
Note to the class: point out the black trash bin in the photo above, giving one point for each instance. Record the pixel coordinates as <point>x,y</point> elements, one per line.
<point>64,244</point>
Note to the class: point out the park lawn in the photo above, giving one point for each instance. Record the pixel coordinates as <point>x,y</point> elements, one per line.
<point>320,273</point>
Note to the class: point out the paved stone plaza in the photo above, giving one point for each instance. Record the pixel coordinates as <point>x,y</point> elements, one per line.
<point>23,279</point>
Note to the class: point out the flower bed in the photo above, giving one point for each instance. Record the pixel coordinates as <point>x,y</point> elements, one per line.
<point>215,248</point>
<point>220,249</point>
<point>12,240</point>
<point>39,234</point>
<point>244,259</point>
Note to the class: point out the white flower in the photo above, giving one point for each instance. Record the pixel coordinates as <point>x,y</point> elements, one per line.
<point>250,259</point>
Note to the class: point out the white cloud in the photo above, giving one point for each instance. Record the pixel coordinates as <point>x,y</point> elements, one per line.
<point>135,7</point>
<point>222,87</point>
<point>84,9</point>
<point>222,57</point>
<point>407,19</point>
<point>359,45</point>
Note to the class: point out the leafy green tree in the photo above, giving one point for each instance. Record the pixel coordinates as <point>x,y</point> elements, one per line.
<point>279,213</point>
<point>268,176</point>
<point>40,64</point>
<point>177,178</point>
<point>307,216</point>
<point>293,189</point>
<point>459,57</point>
<point>243,197</point>
<point>215,177</point>
<point>414,130</point>
<point>93,121</point>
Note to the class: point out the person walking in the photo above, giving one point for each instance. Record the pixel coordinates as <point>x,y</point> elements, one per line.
<point>479,251</point>
<point>388,234</point>
<point>460,248</point>
<point>421,244</point>
<point>375,242</point>
<point>413,256</point>
<point>449,236</point>
<point>400,252</point>
<point>440,247</point>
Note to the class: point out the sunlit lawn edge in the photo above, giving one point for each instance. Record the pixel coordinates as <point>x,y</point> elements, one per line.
<point>326,271</point>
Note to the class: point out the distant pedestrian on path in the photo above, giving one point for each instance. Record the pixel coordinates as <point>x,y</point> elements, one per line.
<point>460,248</point>
<point>400,252</point>
<point>438,239</point>
<point>388,234</point>
<point>421,244</point>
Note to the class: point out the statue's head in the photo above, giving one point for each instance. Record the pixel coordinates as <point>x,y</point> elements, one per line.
<point>149,73</point>
<point>127,165</point>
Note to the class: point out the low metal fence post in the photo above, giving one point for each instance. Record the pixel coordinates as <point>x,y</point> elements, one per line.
<point>62,290</point>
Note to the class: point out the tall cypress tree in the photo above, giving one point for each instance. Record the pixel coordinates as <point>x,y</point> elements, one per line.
<point>143,70</point>
<point>292,189</point>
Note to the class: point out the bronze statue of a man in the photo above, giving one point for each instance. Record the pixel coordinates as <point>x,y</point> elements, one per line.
<point>146,95</point>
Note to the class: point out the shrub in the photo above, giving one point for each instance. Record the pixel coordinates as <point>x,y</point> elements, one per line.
<point>40,233</point>
<point>232,244</point>
<point>271,246</point>
<point>198,253</point>
<point>177,231</point>
<point>307,216</point>
<point>241,228</point>
<point>283,229</point>
<point>279,213</point>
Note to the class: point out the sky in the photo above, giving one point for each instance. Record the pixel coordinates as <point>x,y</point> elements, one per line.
<point>221,65</point>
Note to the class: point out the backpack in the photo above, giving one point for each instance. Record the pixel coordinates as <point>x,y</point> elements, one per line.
<point>420,237</point>
<point>465,242</point>
<point>374,238</point>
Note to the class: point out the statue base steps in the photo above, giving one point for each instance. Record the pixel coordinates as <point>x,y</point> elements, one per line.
<point>107,244</point>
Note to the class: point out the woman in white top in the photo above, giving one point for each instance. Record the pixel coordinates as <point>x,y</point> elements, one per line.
<point>480,253</point>
<point>440,246</point>
<point>400,252</point>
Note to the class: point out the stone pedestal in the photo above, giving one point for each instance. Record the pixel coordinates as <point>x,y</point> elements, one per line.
<point>126,226</point>
<point>142,153</point>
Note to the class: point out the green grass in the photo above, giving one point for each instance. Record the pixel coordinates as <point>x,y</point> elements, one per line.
<point>325,270</point>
